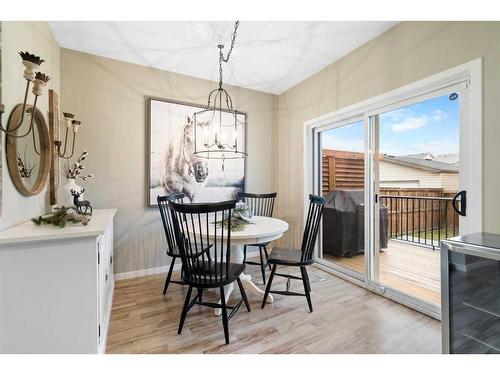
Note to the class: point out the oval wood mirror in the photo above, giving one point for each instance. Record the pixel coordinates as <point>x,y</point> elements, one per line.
<point>28,167</point>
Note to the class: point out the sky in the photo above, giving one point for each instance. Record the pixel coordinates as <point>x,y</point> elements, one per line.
<point>429,126</point>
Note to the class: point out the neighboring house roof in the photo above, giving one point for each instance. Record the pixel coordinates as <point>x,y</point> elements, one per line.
<point>444,158</point>
<point>429,165</point>
<point>423,155</point>
<point>448,158</point>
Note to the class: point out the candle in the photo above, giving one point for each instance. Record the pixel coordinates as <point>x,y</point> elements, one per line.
<point>76,125</point>
<point>68,119</point>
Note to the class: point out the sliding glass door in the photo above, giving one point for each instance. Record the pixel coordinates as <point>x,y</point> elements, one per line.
<point>394,184</point>
<point>417,175</point>
<point>342,175</point>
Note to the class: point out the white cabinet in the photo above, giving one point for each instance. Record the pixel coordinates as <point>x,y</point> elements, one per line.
<point>56,286</point>
<point>106,282</point>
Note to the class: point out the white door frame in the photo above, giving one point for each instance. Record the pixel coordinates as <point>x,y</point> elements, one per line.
<point>471,170</point>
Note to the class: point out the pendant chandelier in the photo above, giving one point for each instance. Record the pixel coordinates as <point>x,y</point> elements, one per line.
<point>219,130</point>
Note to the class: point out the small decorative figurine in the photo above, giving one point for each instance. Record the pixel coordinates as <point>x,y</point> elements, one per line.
<point>79,205</point>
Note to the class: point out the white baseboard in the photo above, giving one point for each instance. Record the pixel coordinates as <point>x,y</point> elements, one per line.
<point>146,272</point>
<point>161,269</point>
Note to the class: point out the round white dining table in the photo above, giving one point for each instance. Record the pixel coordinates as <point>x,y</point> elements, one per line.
<point>260,230</point>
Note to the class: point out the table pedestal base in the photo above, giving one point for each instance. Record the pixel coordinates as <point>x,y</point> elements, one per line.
<point>246,280</point>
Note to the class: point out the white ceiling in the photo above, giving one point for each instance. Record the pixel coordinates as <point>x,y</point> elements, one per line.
<point>268,56</point>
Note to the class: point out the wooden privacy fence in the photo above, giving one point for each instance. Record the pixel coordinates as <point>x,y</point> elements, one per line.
<point>342,170</point>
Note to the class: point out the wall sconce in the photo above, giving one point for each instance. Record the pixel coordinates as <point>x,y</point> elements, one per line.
<point>31,62</point>
<point>69,122</point>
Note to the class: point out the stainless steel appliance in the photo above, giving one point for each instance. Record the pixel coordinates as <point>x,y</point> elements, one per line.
<point>470,293</point>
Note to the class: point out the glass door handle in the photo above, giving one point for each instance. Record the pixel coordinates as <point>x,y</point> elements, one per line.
<point>463,202</point>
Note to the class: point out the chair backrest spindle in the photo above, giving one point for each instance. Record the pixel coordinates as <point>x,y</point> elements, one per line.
<point>203,234</point>
<point>166,219</point>
<point>260,204</point>
<point>314,215</point>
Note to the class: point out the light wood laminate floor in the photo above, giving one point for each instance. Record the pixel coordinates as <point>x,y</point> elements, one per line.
<point>346,319</point>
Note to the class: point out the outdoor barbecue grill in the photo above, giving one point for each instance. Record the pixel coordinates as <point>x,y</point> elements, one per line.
<point>343,223</point>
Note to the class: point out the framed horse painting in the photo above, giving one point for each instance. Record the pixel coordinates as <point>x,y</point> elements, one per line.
<point>172,167</point>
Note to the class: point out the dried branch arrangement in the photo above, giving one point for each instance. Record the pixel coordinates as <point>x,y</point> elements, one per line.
<point>77,168</point>
<point>23,164</point>
<point>24,169</point>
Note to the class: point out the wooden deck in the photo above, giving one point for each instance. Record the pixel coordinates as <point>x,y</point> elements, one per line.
<point>408,268</point>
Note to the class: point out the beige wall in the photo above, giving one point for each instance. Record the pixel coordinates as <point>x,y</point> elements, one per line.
<point>406,53</point>
<point>109,97</point>
<point>37,38</point>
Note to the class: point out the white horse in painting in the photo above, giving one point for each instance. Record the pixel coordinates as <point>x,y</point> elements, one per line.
<point>182,172</point>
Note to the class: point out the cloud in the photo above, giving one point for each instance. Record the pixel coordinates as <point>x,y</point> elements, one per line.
<point>439,115</point>
<point>411,123</point>
<point>405,119</point>
<point>396,115</point>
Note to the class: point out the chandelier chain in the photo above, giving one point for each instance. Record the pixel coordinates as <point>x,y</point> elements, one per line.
<point>221,55</point>
<point>222,142</point>
<point>233,39</point>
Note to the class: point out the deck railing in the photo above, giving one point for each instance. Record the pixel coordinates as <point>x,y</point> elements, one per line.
<point>421,220</point>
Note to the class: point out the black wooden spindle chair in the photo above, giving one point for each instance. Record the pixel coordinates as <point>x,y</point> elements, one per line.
<point>261,205</point>
<point>298,258</point>
<point>203,232</point>
<point>172,249</point>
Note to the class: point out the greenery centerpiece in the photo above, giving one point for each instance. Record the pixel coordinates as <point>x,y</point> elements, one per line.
<point>240,218</point>
<point>63,215</point>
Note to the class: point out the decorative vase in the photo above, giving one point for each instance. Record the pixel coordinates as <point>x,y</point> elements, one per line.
<point>243,211</point>
<point>64,196</point>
